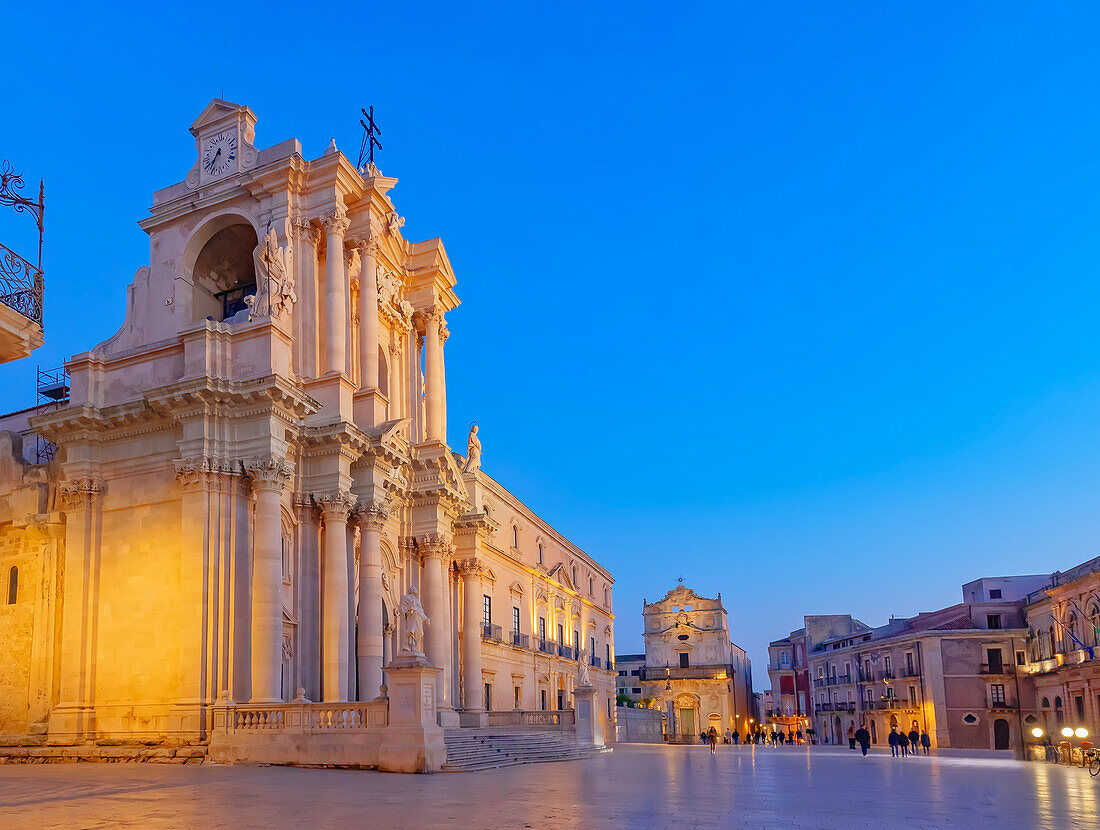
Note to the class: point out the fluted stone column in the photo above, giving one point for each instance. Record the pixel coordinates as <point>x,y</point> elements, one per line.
<point>368,314</point>
<point>435,549</point>
<point>433,370</point>
<point>369,646</point>
<point>335,672</point>
<point>336,314</point>
<point>269,475</point>
<point>471,634</point>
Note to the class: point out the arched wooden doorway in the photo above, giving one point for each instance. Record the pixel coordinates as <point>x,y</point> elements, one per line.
<point>1000,734</point>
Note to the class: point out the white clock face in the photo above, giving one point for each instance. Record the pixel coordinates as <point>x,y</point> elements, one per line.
<point>220,154</point>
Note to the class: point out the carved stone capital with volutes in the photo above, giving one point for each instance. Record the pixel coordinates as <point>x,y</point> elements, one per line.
<point>81,493</point>
<point>469,568</point>
<point>268,472</point>
<point>336,221</point>
<point>335,505</point>
<point>368,247</point>
<point>435,544</point>
<point>372,514</point>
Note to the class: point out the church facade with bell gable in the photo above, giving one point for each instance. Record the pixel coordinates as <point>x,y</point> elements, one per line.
<point>253,472</point>
<point>693,671</point>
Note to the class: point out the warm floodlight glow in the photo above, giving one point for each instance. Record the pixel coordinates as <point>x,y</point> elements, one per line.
<point>1081,732</point>
<point>1067,732</point>
<point>1037,732</point>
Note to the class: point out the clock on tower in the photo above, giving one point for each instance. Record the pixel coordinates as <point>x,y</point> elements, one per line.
<point>223,139</point>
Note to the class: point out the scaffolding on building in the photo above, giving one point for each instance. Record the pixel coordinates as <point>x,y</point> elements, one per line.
<point>52,392</point>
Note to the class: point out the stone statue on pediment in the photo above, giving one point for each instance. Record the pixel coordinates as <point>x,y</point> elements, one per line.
<point>473,451</point>
<point>415,618</point>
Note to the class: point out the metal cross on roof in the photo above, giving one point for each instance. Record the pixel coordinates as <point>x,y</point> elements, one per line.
<point>370,141</point>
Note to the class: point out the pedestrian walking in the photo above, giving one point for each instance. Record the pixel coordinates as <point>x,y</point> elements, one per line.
<point>782,737</point>
<point>903,744</point>
<point>852,735</point>
<point>712,739</point>
<point>893,740</point>
<point>914,740</point>
<point>735,738</point>
<point>798,737</point>
<point>863,738</point>
<point>925,741</point>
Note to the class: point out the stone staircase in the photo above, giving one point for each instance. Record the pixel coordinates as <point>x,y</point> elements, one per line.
<point>474,749</point>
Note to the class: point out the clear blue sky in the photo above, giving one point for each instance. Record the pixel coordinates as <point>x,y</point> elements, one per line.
<point>796,300</point>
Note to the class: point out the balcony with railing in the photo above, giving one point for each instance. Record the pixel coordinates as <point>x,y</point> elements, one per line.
<point>997,668</point>
<point>595,661</point>
<point>21,282</point>
<point>909,673</point>
<point>520,640</point>
<point>567,652</point>
<point>490,632</point>
<point>546,646</point>
<point>886,675</point>
<point>711,671</point>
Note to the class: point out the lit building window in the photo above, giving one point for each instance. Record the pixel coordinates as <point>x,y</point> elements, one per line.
<point>487,610</point>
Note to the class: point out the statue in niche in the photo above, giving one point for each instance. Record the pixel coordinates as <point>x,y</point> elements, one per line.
<point>275,293</point>
<point>473,451</point>
<point>582,672</point>
<point>415,618</point>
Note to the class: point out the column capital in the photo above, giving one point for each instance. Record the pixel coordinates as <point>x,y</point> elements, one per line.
<point>435,545</point>
<point>372,514</point>
<point>336,505</point>
<point>268,473</point>
<point>336,221</point>
<point>206,471</point>
<point>431,316</point>
<point>469,568</point>
<point>368,247</point>
<point>307,230</point>
<point>81,492</point>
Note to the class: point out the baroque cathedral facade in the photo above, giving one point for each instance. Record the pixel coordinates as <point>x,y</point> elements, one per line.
<point>254,470</point>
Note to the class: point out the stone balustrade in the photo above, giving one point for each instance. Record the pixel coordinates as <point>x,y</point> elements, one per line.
<point>336,734</point>
<point>559,719</point>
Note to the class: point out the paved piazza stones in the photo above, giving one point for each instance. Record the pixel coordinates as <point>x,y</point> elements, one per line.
<point>637,786</point>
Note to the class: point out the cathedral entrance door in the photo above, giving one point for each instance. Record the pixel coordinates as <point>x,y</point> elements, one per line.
<point>687,721</point>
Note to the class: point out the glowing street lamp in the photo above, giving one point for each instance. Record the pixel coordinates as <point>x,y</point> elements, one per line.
<point>1081,732</point>
<point>1037,732</point>
<point>1067,732</point>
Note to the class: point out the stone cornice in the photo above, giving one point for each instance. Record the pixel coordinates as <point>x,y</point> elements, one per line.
<point>206,471</point>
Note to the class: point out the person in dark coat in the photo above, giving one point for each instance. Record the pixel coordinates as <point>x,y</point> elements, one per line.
<point>914,740</point>
<point>903,744</point>
<point>782,737</point>
<point>895,741</point>
<point>863,738</point>
<point>925,741</point>
<point>852,736</point>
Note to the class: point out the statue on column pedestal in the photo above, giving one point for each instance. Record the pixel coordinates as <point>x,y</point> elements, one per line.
<point>414,615</point>
<point>583,678</point>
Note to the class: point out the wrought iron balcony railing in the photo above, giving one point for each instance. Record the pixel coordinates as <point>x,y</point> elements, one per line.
<point>490,632</point>
<point>21,285</point>
<point>520,640</point>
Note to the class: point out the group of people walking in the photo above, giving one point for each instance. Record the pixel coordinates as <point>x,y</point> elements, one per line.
<point>902,744</point>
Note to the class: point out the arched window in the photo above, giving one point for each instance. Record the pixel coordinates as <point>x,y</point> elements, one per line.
<point>383,373</point>
<point>1094,622</point>
<point>1074,635</point>
<point>1046,702</point>
<point>13,585</point>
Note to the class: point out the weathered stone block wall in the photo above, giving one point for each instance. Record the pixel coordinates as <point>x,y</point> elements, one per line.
<point>16,627</point>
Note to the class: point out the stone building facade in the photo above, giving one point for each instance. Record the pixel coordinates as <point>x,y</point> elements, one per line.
<point>955,672</point>
<point>791,701</point>
<point>253,472</point>
<point>699,677</point>
<point>1063,649</point>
